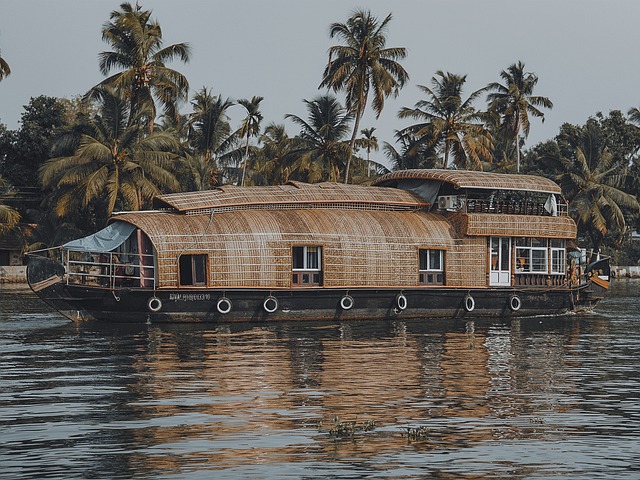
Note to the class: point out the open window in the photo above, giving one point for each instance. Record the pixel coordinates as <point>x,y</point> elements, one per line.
<point>306,262</point>
<point>431,270</point>
<point>193,269</point>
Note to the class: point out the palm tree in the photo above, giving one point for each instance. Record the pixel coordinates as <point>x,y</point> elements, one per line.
<point>363,64</point>
<point>210,135</point>
<point>113,160</point>
<point>449,123</point>
<point>321,151</point>
<point>9,217</point>
<point>634,116</point>
<point>515,101</point>
<point>46,230</point>
<point>590,181</point>
<point>412,153</point>
<point>274,161</point>
<point>634,180</point>
<point>369,142</point>
<point>5,71</point>
<point>250,126</point>
<point>137,49</point>
<point>634,119</point>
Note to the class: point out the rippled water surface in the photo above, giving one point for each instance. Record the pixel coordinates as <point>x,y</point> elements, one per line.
<point>536,398</point>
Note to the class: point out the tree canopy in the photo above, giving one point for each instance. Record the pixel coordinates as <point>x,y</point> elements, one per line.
<point>363,64</point>
<point>113,160</point>
<point>449,123</point>
<point>514,102</point>
<point>143,78</point>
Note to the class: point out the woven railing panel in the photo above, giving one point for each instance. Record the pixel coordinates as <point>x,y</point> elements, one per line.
<point>488,224</point>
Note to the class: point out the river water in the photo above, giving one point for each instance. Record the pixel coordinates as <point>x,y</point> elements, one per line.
<point>533,398</point>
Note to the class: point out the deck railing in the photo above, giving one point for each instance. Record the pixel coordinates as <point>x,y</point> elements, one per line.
<point>109,269</point>
<point>537,279</point>
<point>525,207</point>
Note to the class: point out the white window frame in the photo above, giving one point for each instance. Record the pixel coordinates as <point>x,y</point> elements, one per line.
<point>306,258</point>
<point>431,254</point>
<point>557,248</point>
<point>536,257</point>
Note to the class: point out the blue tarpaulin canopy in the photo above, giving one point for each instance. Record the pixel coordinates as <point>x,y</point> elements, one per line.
<point>105,240</point>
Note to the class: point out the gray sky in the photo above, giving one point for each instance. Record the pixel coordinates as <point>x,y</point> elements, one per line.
<point>585,52</point>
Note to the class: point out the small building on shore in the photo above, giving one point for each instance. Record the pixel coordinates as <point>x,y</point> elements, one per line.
<point>12,269</point>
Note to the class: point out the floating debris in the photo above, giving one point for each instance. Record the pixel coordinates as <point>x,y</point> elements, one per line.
<point>348,429</point>
<point>417,433</point>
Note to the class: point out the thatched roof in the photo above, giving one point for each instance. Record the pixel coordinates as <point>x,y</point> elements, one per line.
<point>375,226</point>
<point>474,180</point>
<point>291,195</point>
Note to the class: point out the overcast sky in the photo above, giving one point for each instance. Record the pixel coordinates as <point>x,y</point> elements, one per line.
<point>585,52</point>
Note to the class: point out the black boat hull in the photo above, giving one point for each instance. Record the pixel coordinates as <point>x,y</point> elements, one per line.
<point>135,305</point>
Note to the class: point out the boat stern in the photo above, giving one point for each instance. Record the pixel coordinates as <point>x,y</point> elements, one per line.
<point>599,273</point>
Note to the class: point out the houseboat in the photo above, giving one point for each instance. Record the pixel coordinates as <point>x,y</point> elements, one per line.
<point>417,244</point>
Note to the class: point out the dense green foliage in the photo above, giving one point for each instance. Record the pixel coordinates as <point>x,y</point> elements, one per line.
<point>113,162</point>
<point>73,162</point>
<point>450,124</point>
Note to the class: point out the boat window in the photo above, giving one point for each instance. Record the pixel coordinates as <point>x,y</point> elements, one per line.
<point>431,271</point>
<point>193,269</point>
<point>306,264</point>
<point>531,255</point>
<point>558,256</point>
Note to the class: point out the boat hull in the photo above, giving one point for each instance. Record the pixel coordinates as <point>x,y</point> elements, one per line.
<point>136,305</point>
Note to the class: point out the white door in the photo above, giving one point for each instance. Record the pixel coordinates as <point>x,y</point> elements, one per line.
<point>500,261</point>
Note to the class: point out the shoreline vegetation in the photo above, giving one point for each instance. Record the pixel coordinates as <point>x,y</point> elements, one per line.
<point>73,162</point>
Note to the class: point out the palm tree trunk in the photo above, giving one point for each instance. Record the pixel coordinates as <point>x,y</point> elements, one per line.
<point>518,123</point>
<point>244,164</point>
<point>517,153</point>
<point>445,161</point>
<point>351,145</point>
<point>362,101</point>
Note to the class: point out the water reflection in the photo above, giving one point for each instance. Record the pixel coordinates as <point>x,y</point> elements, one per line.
<point>537,397</point>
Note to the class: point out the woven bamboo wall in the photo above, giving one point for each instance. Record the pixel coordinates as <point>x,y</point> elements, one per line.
<point>466,264</point>
<point>490,224</point>
<point>253,248</point>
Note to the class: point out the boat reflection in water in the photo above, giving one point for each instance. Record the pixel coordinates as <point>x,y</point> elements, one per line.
<point>270,397</point>
<point>478,398</point>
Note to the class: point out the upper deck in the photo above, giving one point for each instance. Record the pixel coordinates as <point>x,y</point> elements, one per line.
<point>481,192</point>
<point>472,180</point>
